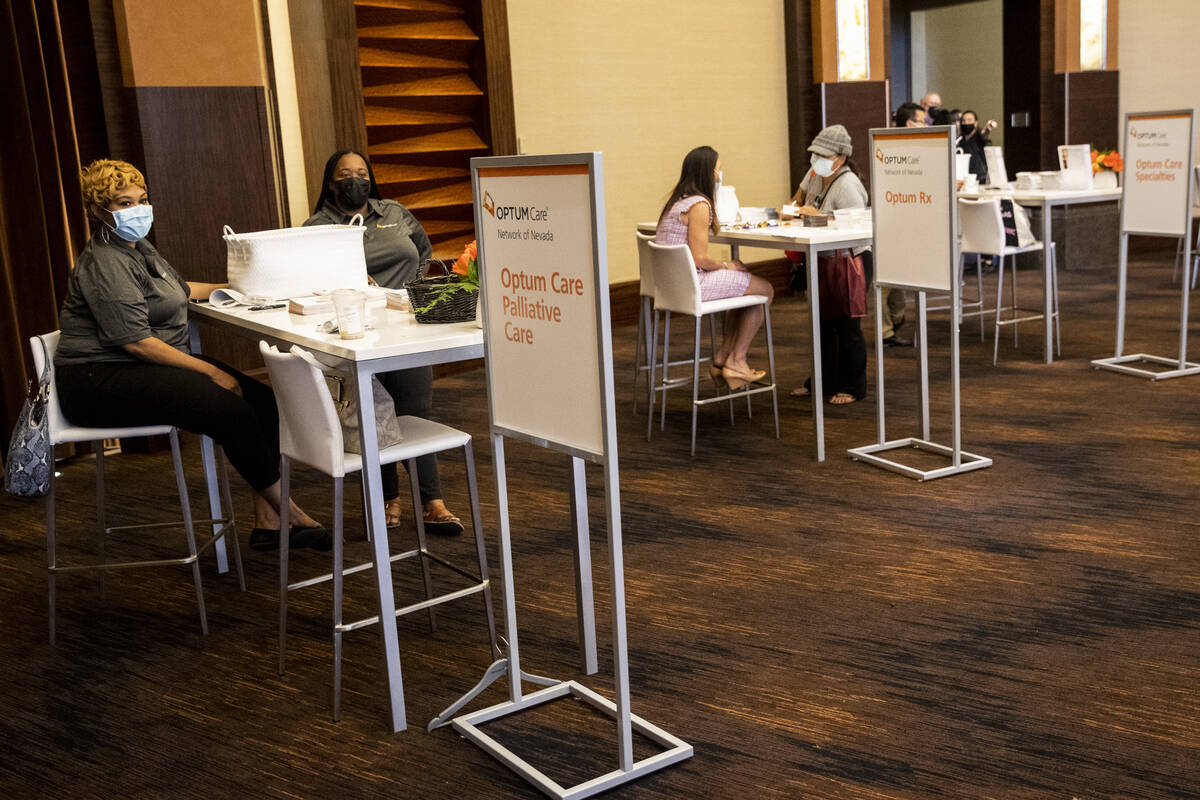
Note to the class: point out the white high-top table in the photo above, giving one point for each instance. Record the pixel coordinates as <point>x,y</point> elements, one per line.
<point>1047,199</point>
<point>812,241</point>
<point>395,341</point>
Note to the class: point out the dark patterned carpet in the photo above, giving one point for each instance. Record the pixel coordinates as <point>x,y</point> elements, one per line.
<point>815,630</point>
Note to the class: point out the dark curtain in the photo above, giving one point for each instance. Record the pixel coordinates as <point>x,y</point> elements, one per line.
<point>42,220</point>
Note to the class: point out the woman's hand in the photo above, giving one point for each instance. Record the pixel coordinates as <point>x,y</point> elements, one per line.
<point>808,211</point>
<point>735,265</point>
<point>225,381</point>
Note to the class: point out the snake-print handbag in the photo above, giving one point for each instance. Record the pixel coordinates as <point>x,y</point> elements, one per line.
<point>27,467</point>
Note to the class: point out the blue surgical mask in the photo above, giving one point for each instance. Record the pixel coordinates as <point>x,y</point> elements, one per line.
<point>132,223</point>
<point>720,175</point>
<point>821,165</point>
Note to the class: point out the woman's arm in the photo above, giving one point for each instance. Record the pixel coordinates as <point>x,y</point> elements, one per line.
<point>156,351</point>
<point>697,221</point>
<point>202,291</point>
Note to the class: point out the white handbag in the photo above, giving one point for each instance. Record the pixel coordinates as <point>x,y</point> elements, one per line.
<point>292,262</point>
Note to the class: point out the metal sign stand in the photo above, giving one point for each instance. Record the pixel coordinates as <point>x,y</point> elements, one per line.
<point>469,725</point>
<point>1124,363</point>
<point>960,460</point>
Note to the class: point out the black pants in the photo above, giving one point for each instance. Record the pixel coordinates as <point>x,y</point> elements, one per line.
<point>412,392</point>
<point>128,394</point>
<point>843,358</point>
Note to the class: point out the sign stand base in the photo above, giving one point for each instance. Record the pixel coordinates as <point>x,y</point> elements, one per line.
<point>468,725</point>
<point>968,461</point>
<point>1122,364</point>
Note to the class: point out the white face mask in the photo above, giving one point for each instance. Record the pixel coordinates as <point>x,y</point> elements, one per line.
<point>821,165</point>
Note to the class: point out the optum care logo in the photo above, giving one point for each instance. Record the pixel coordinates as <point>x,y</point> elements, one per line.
<point>896,161</point>
<point>514,213</point>
<point>1145,135</point>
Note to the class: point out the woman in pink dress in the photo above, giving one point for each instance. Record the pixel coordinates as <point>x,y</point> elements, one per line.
<point>687,218</point>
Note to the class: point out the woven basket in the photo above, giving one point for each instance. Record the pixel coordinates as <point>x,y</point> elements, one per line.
<point>458,306</point>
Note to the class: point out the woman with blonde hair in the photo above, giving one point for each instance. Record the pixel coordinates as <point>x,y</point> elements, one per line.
<point>124,358</point>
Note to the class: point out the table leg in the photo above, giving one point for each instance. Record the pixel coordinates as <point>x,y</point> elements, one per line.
<point>377,525</point>
<point>1047,290</point>
<point>818,391</point>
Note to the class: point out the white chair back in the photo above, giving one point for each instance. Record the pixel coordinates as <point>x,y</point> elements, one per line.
<point>309,429</point>
<point>982,226</point>
<point>676,285</point>
<point>647,276</point>
<point>44,347</point>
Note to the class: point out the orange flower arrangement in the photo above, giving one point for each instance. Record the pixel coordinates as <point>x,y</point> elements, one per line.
<point>1107,159</point>
<point>467,263</point>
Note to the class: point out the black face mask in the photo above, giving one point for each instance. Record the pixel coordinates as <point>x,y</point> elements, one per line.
<point>966,128</point>
<point>350,194</point>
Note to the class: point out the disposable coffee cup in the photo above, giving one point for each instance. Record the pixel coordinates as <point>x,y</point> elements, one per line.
<point>350,306</point>
<point>971,182</point>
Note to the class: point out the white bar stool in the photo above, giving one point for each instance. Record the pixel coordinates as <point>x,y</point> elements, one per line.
<point>310,433</point>
<point>677,289</point>
<point>647,320</point>
<point>63,432</point>
<point>983,232</point>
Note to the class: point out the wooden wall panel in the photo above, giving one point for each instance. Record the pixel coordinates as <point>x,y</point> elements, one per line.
<point>1088,106</point>
<point>213,43</point>
<point>499,104</point>
<point>803,107</point>
<point>860,106</point>
<point>345,78</point>
<point>207,165</point>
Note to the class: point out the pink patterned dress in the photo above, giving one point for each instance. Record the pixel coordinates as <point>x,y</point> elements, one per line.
<point>715,284</point>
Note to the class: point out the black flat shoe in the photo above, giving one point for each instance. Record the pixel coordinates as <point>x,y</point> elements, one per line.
<point>313,536</point>
<point>897,341</point>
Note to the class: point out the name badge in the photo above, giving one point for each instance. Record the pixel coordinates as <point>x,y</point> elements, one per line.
<point>391,225</point>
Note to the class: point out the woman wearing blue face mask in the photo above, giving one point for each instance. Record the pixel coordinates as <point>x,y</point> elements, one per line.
<point>123,358</point>
<point>831,184</point>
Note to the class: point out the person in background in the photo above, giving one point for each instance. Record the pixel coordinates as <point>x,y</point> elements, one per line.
<point>929,103</point>
<point>909,115</point>
<point>975,137</point>
<point>123,358</point>
<point>688,217</point>
<point>396,246</point>
<point>946,116</point>
<point>833,183</point>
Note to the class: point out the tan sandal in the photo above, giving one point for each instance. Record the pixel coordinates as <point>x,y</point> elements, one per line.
<point>392,511</point>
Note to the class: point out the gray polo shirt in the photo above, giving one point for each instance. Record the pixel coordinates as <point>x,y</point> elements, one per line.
<point>846,191</point>
<point>116,295</point>
<point>395,243</point>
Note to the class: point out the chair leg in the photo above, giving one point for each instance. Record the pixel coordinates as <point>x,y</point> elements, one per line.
<point>285,508</point>
<point>979,293</point>
<point>999,305</point>
<point>186,504</point>
<point>662,422</point>
<point>695,381</point>
<point>1012,265</point>
<point>424,557</point>
<point>230,531</point>
<point>637,358</point>
<point>771,364</point>
<point>101,515</point>
<point>338,579</point>
<point>480,547</point>
<point>653,365</point>
<point>1054,287</point>
<point>50,561</point>
<point>712,340</point>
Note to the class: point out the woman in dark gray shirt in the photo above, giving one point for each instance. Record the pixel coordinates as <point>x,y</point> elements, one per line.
<point>123,358</point>
<point>396,246</point>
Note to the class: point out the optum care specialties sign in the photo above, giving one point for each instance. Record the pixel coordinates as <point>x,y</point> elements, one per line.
<point>912,202</point>
<point>1157,167</point>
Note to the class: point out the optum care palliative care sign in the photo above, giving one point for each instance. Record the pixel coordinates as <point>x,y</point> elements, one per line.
<point>912,202</point>
<point>538,261</point>
<point>1157,171</point>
